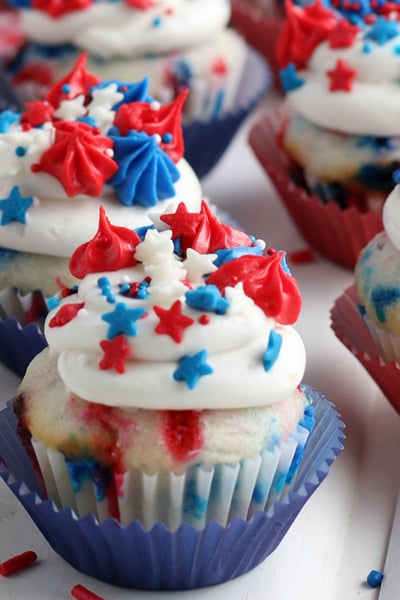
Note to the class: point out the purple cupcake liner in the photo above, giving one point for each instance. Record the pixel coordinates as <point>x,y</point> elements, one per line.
<point>159,559</point>
<point>18,345</point>
<point>206,141</point>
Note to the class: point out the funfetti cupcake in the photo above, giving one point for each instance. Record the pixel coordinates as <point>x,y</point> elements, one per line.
<point>178,44</point>
<point>366,318</point>
<point>335,141</point>
<point>177,422</point>
<point>90,142</point>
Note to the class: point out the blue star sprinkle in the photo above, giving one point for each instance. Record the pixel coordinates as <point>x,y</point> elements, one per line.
<point>273,349</point>
<point>289,79</point>
<point>208,298</point>
<point>122,320</point>
<point>382,31</point>
<point>191,368</point>
<point>14,207</point>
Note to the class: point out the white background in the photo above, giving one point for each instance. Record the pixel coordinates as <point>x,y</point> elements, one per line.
<point>344,529</point>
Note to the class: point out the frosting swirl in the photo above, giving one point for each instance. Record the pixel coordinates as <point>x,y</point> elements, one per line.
<point>142,28</point>
<point>180,318</point>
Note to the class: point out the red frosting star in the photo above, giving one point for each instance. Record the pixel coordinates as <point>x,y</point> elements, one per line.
<point>37,113</point>
<point>341,77</point>
<point>172,321</point>
<point>65,314</point>
<point>115,353</point>
<point>78,158</point>
<point>343,35</point>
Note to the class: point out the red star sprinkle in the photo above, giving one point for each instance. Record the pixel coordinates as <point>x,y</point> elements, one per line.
<point>343,35</point>
<point>37,113</point>
<point>341,77</point>
<point>172,321</point>
<point>115,353</point>
<point>219,67</point>
<point>65,314</point>
<point>183,224</point>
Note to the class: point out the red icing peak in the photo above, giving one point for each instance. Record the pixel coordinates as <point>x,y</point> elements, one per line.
<point>79,158</point>
<point>112,248</point>
<point>203,231</point>
<point>304,28</point>
<point>264,280</point>
<point>78,81</point>
<point>164,120</point>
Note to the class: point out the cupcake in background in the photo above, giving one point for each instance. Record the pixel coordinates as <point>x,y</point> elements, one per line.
<point>260,22</point>
<point>366,318</point>
<point>177,421</point>
<point>335,140</point>
<point>90,142</point>
<point>178,45</point>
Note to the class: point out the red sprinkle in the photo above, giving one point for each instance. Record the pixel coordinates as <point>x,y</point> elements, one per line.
<point>17,563</point>
<point>81,593</point>
<point>301,256</point>
<point>204,320</point>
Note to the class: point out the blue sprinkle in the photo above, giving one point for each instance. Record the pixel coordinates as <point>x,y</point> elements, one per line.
<point>52,303</point>
<point>208,298</point>
<point>157,21</point>
<point>289,79</point>
<point>367,48</point>
<point>396,49</point>
<point>167,138</point>
<point>104,284</point>
<point>374,579</point>
<point>273,349</point>
<point>110,298</point>
<point>20,151</point>
<point>66,88</point>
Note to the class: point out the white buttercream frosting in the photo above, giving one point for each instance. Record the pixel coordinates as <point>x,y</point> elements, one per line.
<point>116,29</point>
<point>391,216</point>
<point>234,340</point>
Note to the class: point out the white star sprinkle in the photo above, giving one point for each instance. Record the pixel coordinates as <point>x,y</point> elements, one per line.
<point>239,303</point>
<point>197,265</point>
<point>106,97</point>
<point>69,110</point>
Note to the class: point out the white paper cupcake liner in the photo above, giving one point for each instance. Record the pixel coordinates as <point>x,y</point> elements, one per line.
<point>159,558</point>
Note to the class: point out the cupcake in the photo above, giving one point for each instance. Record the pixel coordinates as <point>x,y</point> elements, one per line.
<point>177,421</point>
<point>336,132</point>
<point>178,45</point>
<point>366,318</point>
<point>90,142</point>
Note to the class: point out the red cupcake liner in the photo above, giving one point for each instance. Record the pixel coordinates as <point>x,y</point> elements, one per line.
<point>349,327</point>
<point>338,234</point>
<point>260,31</point>
<point>12,37</point>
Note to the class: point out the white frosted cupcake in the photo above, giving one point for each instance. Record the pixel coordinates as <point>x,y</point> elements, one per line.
<point>177,420</point>
<point>178,44</point>
<point>90,142</point>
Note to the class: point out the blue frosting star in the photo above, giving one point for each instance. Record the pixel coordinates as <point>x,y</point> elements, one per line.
<point>208,298</point>
<point>289,79</point>
<point>14,207</point>
<point>7,118</point>
<point>273,349</point>
<point>122,320</point>
<point>191,368</point>
<point>382,31</point>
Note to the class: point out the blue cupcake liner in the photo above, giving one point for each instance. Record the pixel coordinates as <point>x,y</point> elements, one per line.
<point>158,559</point>
<point>206,141</point>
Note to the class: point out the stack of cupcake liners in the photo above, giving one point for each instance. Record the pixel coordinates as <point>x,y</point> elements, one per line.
<point>151,555</point>
<point>352,330</point>
<point>337,234</point>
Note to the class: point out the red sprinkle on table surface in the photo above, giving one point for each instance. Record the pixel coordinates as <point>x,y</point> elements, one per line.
<point>81,593</point>
<point>17,563</point>
<point>299,257</point>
